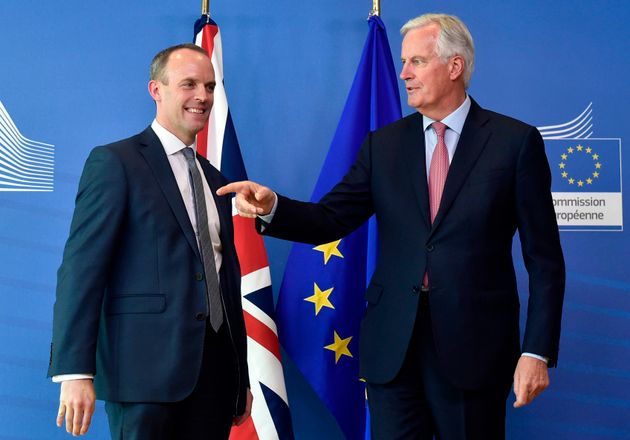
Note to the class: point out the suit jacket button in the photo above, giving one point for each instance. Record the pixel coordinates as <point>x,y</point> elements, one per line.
<point>200,316</point>
<point>199,276</point>
<point>430,247</point>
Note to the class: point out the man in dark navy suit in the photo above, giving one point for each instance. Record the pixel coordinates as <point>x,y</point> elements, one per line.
<point>148,313</point>
<point>450,185</point>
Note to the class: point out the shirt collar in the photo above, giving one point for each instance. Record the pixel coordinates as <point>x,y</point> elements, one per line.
<point>454,121</point>
<point>171,143</point>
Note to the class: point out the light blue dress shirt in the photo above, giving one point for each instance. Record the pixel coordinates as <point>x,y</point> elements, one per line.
<point>454,123</point>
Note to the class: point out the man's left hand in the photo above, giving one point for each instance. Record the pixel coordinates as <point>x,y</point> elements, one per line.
<point>239,420</point>
<point>530,379</point>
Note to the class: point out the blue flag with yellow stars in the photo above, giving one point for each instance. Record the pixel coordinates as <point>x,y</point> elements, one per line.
<point>586,185</point>
<point>321,303</point>
<point>585,165</point>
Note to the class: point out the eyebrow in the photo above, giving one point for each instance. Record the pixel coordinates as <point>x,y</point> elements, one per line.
<point>192,79</point>
<point>414,57</point>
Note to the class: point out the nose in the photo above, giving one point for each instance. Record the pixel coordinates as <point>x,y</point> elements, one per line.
<point>202,94</point>
<point>405,72</point>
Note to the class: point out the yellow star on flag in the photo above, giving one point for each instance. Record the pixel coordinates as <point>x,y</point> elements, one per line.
<point>329,249</point>
<point>571,181</point>
<point>580,148</point>
<point>588,150</point>
<point>580,183</point>
<point>564,156</point>
<point>320,298</point>
<point>570,150</point>
<point>595,156</point>
<point>565,174</point>
<point>595,174</point>
<point>561,165</point>
<point>589,181</point>
<point>598,165</point>
<point>340,347</point>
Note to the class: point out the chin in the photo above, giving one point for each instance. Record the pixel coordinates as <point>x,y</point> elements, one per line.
<point>197,128</point>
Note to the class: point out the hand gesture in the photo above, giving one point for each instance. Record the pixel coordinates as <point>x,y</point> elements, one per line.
<point>252,199</point>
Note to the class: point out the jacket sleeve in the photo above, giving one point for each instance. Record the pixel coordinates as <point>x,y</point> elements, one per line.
<point>82,277</point>
<point>540,244</point>
<point>342,210</point>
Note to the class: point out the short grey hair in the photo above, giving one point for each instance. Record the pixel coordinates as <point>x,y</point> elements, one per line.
<point>454,39</point>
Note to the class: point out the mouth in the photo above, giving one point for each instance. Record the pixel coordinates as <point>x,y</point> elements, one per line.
<point>196,110</point>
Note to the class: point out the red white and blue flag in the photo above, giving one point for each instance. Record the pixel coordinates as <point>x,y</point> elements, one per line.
<point>218,143</point>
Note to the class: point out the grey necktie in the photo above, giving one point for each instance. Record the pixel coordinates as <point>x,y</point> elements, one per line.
<point>213,290</point>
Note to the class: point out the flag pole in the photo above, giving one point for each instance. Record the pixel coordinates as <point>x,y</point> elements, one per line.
<point>376,8</point>
<point>205,7</point>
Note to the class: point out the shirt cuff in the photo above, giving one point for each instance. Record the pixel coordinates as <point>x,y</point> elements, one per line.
<point>269,217</point>
<point>65,377</point>
<point>535,356</point>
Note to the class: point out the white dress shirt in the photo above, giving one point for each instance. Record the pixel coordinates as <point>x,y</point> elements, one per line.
<point>173,148</point>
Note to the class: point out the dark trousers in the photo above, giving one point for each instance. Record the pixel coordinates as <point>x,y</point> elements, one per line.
<point>421,403</point>
<point>205,414</point>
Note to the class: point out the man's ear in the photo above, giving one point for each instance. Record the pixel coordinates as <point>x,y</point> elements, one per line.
<point>457,65</point>
<point>155,90</point>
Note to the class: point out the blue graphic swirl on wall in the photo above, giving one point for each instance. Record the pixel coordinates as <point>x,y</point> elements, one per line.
<point>25,165</point>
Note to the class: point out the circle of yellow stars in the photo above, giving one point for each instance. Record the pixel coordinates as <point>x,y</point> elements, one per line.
<point>581,181</point>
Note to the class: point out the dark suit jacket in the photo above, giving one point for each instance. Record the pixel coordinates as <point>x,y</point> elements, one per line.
<point>498,183</point>
<point>131,303</point>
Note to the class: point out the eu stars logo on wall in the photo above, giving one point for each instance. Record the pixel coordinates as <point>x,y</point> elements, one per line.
<point>586,186</point>
<point>25,165</point>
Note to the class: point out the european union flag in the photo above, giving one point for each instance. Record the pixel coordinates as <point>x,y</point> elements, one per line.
<point>585,165</point>
<point>321,303</point>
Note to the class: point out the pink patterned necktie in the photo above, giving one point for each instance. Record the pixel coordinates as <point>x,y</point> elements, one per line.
<point>438,170</point>
<point>437,176</point>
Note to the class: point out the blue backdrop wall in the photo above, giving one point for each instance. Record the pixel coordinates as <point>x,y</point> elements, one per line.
<point>74,76</point>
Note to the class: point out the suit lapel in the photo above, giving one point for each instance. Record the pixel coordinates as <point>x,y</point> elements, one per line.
<point>471,143</point>
<point>224,203</point>
<point>153,152</point>
<point>415,156</point>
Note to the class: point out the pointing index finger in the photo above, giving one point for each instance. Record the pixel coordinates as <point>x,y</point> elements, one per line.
<point>234,187</point>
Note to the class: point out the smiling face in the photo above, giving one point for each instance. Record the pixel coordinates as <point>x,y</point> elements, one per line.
<point>434,87</point>
<point>185,94</point>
